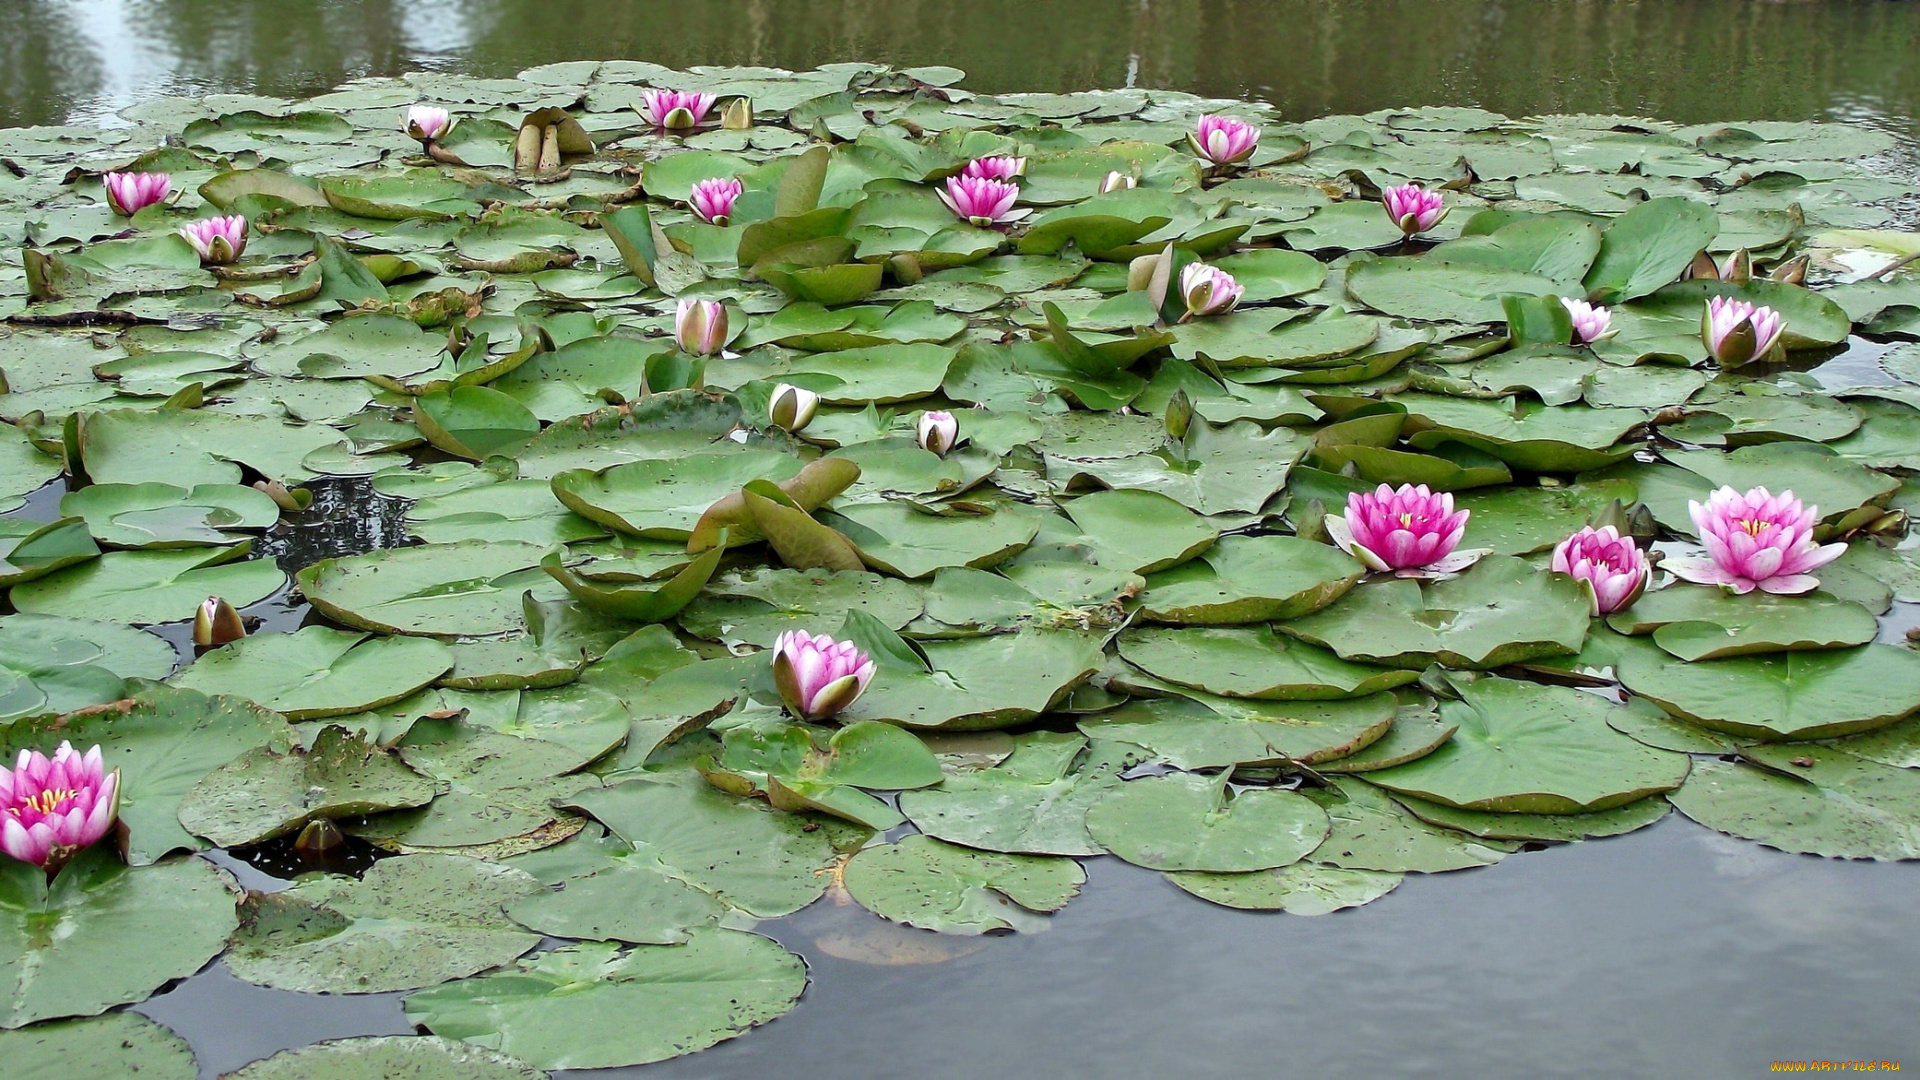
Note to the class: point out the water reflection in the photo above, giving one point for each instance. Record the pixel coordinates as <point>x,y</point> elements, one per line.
<point>1700,60</point>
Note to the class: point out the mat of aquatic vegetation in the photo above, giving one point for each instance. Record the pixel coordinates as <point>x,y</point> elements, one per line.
<point>1107,620</point>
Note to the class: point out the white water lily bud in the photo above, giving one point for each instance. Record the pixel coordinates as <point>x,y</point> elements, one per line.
<point>792,408</point>
<point>938,432</point>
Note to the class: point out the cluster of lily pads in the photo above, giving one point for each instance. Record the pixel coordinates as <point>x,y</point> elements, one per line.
<point>1284,506</point>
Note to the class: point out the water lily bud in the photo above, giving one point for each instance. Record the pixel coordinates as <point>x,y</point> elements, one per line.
<point>1117,181</point>
<point>1208,290</point>
<point>1793,271</point>
<point>130,192</point>
<point>738,115</point>
<point>1179,414</point>
<point>427,123</point>
<point>700,326</point>
<point>318,839</point>
<point>1737,332</point>
<point>792,408</point>
<point>1151,274</point>
<point>217,623</point>
<point>218,240</point>
<point>675,110</point>
<point>938,431</point>
<point>1610,566</point>
<point>1224,140</point>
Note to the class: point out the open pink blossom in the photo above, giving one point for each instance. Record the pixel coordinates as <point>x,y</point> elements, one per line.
<point>982,201</point>
<point>1611,566</point>
<point>427,122</point>
<point>1224,140</point>
<point>1756,540</point>
<point>1208,290</point>
<point>1001,167</point>
<point>219,240</point>
<point>1413,208</point>
<point>676,110</point>
<point>700,326</point>
<point>1591,322</point>
<point>818,676</point>
<point>1737,332</point>
<point>52,807</point>
<point>712,199</point>
<point>1409,530</point>
<point>130,192</point>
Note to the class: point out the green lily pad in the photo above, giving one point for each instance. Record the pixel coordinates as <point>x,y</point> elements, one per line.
<point>315,672</point>
<point>1700,623</point>
<point>54,664</point>
<point>593,1006</point>
<point>1300,889</point>
<point>1188,822</point>
<point>978,683</point>
<point>1193,730</point>
<point>1254,663</point>
<point>608,891</point>
<point>1372,832</point>
<point>1034,802</point>
<point>1499,612</point>
<point>122,1043</point>
<point>514,510</point>
<point>1810,800</point>
<point>1533,749</point>
<point>101,934</point>
<point>756,606</point>
<point>472,587</point>
<point>895,538</point>
<point>268,792</point>
<point>161,515</point>
<point>954,890</point>
<point>665,499</point>
<point>1140,531</point>
<point>1540,828</point>
<point>143,587</point>
<point>413,1056</point>
<point>1246,579</point>
<point>1788,695</point>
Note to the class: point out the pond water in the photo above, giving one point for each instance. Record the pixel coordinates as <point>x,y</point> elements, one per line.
<point>1695,61</point>
<point>1674,950</point>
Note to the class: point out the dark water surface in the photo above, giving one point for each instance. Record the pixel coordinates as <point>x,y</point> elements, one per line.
<point>1670,952</point>
<point>1688,60</point>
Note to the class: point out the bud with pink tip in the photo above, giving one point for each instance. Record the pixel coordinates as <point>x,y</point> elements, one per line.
<point>50,808</point>
<point>1610,565</point>
<point>1591,322</point>
<point>995,168</point>
<point>817,676</point>
<point>712,199</point>
<point>700,326</point>
<point>1208,290</point>
<point>1756,540</point>
<point>427,123</point>
<point>1737,332</point>
<point>981,201</point>
<point>1408,530</point>
<point>217,623</point>
<point>128,193</point>
<point>1224,140</point>
<point>1413,208</point>
<point>675,110</point>
<point>219,240</point>
<point>937,432</point>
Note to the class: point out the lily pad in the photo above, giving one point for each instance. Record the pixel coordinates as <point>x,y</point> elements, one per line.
<point>143,587</point>
<point>1189,822</point>
<point>268,792</point>
<point>1254,663</point>
<point>1698,623</point>
<point>1246,579</point>
<point>413,1056</point>
<point>315,672</point>
<point>122,1043</point>
<point>954,890</point>
<point>1789,695</point>
<point>472,587</point>
<point>1810,800</point>
<point>1300,889</point>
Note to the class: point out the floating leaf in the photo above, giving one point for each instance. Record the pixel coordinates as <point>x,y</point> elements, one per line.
<point>923,882</point>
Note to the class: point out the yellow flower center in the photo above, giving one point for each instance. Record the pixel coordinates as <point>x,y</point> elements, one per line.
<point>1407,520</point>
<point>47,801</point>
<point>1754,526</point>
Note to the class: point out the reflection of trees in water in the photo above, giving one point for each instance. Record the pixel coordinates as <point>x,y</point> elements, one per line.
<point>346,518</point>
<point>44,66</point>
<point>284,47</point>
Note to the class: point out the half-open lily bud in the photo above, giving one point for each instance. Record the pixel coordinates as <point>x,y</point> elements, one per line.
<point>1208,290</point>
<point>700,326</point>
<point>792,408</point>
<point>1737,332</point>
<point>1413,208</point>
<point>218,240</point>
<point>1224,140</point>
<point>675,110</point>
<point>1117,181</point>
<point>818,676</point>
<point>712,199</point>
<point>738,115</point>
<point>427,123</point>
<point>130,192</point>
<point>1151,274</point>
<point>1736,269</point>
<point>938,432</point>
<point>217,623</point>
<point>1793,271</point>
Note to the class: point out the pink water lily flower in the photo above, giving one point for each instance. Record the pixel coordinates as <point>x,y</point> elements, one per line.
<point>1208,290</point>
<point>219,240</point>
<point>995,168</point>
<point>818,676</point>
<point>1409,530</point>
<point>1611,566</point>
<point>1413,208</point>
<point>676,110</point>
<point>1756,540</point>
<point>1737,332</point>
<point>700,326</point>
<point>712,199</point>
<point>50,808</point>
<point>982,201</point>
<point>1591,322</point>
<point>937,431</point>
<point>128,193</point>
<point>427,122</point>
<point>1224,140</point>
